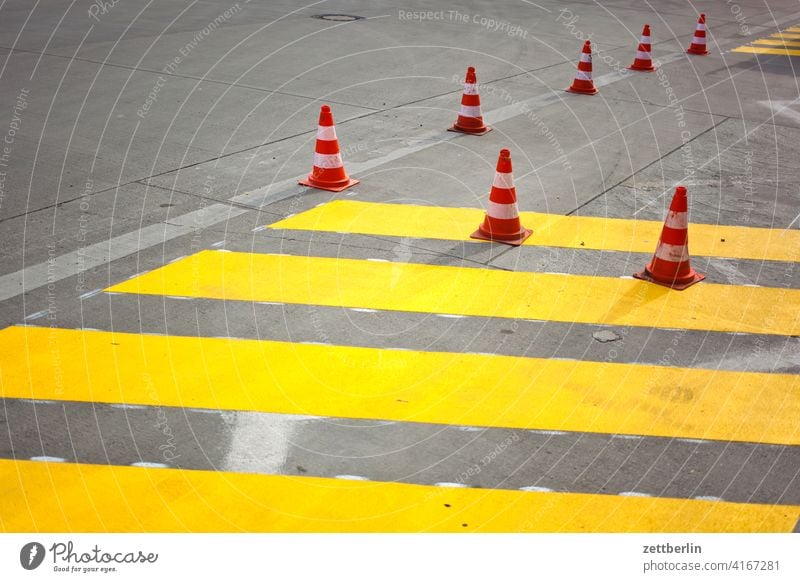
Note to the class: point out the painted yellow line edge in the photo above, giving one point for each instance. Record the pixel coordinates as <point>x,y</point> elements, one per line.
<point>767,51</point>
<point>339,282</point>
<point>550,230</point>
<point>61,497</point>
<point>407,386</point>
<point>777,42</point>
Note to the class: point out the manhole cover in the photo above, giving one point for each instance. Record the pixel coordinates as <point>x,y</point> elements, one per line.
<point>338,17</point>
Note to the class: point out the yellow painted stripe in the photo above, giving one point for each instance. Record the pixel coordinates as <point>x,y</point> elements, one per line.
<point>787,34</point>
<point>550,230</point>
<point>435,387</point>
<point>767,51</point>
<point>471,291</point>
<point>60,497</point>
<point>793,29</point>
<point>776,42</point>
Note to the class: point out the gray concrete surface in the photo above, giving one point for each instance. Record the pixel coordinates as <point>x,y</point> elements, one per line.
<point>118,143</point>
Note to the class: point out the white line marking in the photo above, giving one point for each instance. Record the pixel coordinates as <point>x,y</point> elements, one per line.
<point>708,498</point>
<point>448,484</point>
<point>633,494</point>
<point>258,229</point>
<point>46,459</point>
<point>128,406</point>
<point>149,465</point>
<point>99,254</point>
<point>363,310</point>
<point>450,316</point>
<point>351,477</point>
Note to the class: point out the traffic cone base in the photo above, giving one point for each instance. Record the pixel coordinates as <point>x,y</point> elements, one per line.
<point>330,187</point>
<point>694,51</point>
<point>591,91</point>
<point>514,240</point>
<point>649,69</point>
<point>677,284</point>
<point>478,131</point>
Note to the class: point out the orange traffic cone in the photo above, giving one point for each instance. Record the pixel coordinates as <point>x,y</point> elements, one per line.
<point>470,117</point>
<point>643,60</point>
<point>502,215</point>
<point>583,77</point>
<point>698,46</point>
<point>671,265</point>
<point>328,172</point>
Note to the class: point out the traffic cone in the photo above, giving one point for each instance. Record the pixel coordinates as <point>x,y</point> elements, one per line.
<point>698,46</point>
<point>502,215</point>
<point>583,76</point>
<point>671,265</point>
<point>328,172</point>
<point>470,117</point>
<point>643,60</point>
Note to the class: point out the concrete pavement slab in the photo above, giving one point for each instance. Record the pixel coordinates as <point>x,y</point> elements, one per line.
<point>90,219</point>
